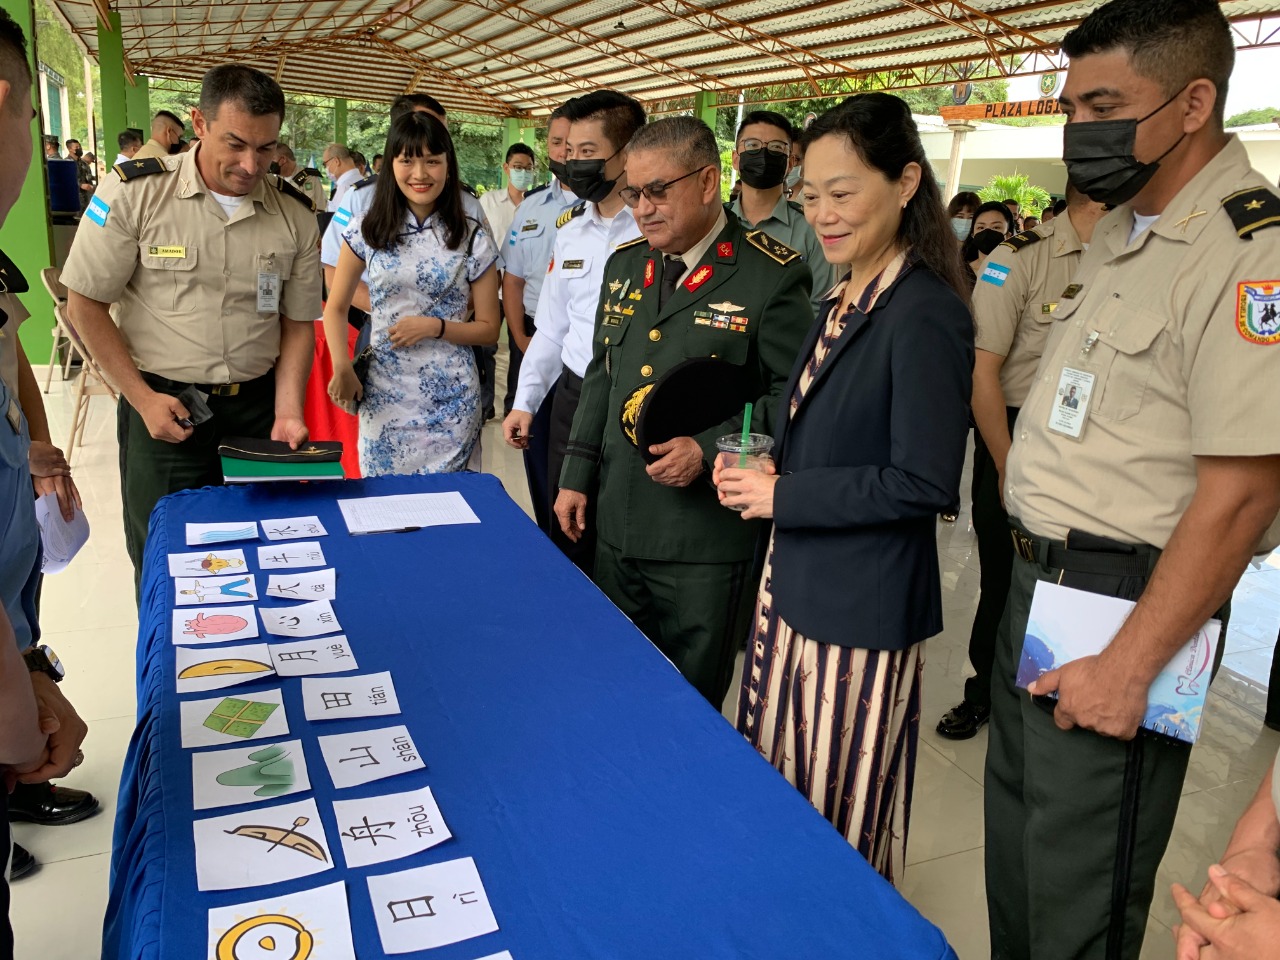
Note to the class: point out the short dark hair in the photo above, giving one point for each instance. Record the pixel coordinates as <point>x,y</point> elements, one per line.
<point>252,89</point>
<point>769,117</point>
<point>1171,42</point>
<point>358,159</point>
<point>415,134</point>
<point>14,65</point>
<point>995,206</point>
<point>561,112</point>
<point>1012,200</point>
<point>71,141</point>
<point>964,200</point>
<point>1061,203</point>
<point>520,149</point>
<point>127,139</point>
<point>377,157</point>
<point>408,102</point>
<point>170,115</point>
<point>620,116</point>
<point>691,140</point>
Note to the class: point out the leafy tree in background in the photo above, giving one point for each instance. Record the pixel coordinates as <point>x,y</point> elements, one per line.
<point>1256,117</point>
<point>55,47</point>
<point>1016,186</point>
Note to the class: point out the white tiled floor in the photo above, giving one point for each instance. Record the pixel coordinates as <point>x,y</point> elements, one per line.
<point>89,617</point>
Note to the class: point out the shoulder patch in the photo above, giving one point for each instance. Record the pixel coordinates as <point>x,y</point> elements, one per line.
<point>774,249</point>
<point>1252,210</point>
<point>133,169</point>
<point>530,193</point>
<point>630,243</point>
<point>291,189</point>
<point>577,210</point>
<point>1020,240</point>
<point>11,278</point>
<point>366,182</point>
<point>796,207</point>
<point>468,188</point>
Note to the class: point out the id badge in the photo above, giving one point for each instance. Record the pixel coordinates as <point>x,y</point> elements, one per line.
<point>1070,409</point>
<point>268,292</point>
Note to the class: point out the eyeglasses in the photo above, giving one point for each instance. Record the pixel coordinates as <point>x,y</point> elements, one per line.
<point>656,192</point>
<point>325,163</point>
<point>773,146</point>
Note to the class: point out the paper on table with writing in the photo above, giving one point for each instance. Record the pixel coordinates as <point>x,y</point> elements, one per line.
<point>296,553</point>
<point>249,774</point>
<point>190,591</point>
<point>210,668</point>
<point>294,528</point>
<point>205,534</point>
<point>305,658</point>
<point>261,845</point>
<point>368,755</point>
<point>390,827</point>
<point>207,563</point>
<point>382,514</point>
<point>214,625</point>
<point>312,619</point>
<point>307,925</point>
<point>431,906</point>
<point>340,698</point>
<point>233,719</point>
<point>307,585</point>
<point>60,540</point>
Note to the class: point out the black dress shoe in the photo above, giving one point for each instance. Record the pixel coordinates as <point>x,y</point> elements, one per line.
<point>23,863</point>
<point>50,806</point>
<point>963,721</point>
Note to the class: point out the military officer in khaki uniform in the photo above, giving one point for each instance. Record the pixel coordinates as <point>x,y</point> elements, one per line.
<point>212,273</point>
<point>1157,486</point>
<point>307,179</point>
<point>696,285</point>
<point>1013,303</point>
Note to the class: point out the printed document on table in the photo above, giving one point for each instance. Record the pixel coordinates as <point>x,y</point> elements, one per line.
<point>407,512</point>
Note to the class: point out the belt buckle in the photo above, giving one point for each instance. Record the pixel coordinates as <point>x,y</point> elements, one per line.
<point>1023,547</point>
<point>225,390</point>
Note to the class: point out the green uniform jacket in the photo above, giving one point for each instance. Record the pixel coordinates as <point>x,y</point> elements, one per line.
<point>767,286</point>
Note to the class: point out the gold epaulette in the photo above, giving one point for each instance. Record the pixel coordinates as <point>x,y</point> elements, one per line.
<point>775,249</point>
<point>630,243</point>
<point>1020,240</point>
<point>577,210</point>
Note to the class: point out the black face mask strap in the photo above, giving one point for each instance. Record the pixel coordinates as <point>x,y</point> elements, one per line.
<point>1162,106</point>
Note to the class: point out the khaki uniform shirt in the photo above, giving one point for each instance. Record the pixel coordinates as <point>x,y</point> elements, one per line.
<point>1015,296</point>
<point>1180,332</point>
<point>152,148</point>
<point>185,280</point>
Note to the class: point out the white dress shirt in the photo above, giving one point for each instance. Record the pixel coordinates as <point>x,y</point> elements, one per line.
<point>345,181</point>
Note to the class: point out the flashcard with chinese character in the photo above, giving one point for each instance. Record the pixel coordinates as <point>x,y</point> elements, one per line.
<point>356,758</point>
<point>294,528</point>
<point>307,925</point>
<point>206,563</point>
<point>210,668</point>
<point>389,828</point>
<point>221,720</point>
<point>226,778</point>
<point>190,591</point>
<point>305,658</point>
<point>209,534</point>
<point>214,625</point>
<point>312,619</point>
<point>340,698</point>
<point>284,556</point>
<point>308,585</point>
<point>431,906</point>
<point>261,845</point>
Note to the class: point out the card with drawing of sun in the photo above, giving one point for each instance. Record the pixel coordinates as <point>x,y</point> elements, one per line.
<point>261,845</point>
<point>220,721</point>
<point>210,668</point>
<point>307,925</point>
<point>262,772</point>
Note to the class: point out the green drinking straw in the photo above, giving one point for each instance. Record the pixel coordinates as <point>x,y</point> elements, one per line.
<point>746,435</point>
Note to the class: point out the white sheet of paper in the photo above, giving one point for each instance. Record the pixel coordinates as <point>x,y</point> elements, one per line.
<point>294,528</point>
<point>379,829</point>
<point>431,906</point>
<point>261,845</point>
<point>259,724</point>
<point>341,698</point>
<point>306,658</point>
<point>205,534</point>
<point>368,755</point>
<point>312,619</point>
<point>289,923</point>
<point>191,591</point>
<point>228,778</point>
<point>406,512</point>
<point>287,556</point>
<point>308,585</point>
<point>207,563</point>
<point>214,625</point>
<point>211,668</point>
<point>60,540</point>
<point>504,955</point>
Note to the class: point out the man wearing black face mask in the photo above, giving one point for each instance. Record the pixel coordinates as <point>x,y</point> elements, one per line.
<point>761,156</point>
<point>1157,487</point>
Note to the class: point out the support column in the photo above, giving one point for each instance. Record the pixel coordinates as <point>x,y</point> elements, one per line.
<point>340,120</point>
<point>27,237</point>
<point>704,108</point>
<point>91,121</point>
<point>959,131</point>
<point>115,114</point>
<point>137,102</point>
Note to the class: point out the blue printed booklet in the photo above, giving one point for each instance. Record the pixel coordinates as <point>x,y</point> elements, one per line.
<point>1066,624</point>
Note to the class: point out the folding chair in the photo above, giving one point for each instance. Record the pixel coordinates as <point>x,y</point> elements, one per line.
<point>90,382</point>
<point>61,338</point>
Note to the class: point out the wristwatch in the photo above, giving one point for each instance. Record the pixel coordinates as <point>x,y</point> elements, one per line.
<point>42,659</point>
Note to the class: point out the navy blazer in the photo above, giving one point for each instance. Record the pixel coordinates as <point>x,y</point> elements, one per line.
<point>870,458</point>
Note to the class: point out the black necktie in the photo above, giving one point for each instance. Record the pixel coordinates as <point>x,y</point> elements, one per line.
<point>672,268</point>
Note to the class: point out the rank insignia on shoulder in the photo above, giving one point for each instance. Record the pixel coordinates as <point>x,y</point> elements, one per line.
<point>775,249</point>
<point>291,189</point>
<point>11,278</point>
<point>366,182</point>
<point>630,243</point>
<point>1252,210</point>
<point>1072,291</point>
<point>1258,311</point>
<point>1020,240</point>
<point>133,169</point>
<point>577,210</point>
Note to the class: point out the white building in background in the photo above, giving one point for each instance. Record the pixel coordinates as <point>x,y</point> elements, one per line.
<point>55,111</point>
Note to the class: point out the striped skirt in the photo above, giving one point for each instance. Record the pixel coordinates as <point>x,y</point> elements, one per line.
<point>840,723</point>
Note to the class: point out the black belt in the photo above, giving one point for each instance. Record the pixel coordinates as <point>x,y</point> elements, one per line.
<point>175,387</point>
<point>1056,555</point>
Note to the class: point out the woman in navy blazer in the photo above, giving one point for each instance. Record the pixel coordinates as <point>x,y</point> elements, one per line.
<point>869,456</point>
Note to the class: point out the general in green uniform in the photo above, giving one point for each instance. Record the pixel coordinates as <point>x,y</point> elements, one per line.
<point>697,285</point>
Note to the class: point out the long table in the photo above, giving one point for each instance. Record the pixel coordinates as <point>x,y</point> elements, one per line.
<point>611,812</point>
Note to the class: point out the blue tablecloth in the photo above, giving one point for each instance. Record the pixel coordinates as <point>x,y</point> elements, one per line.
<point>611,811</point>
